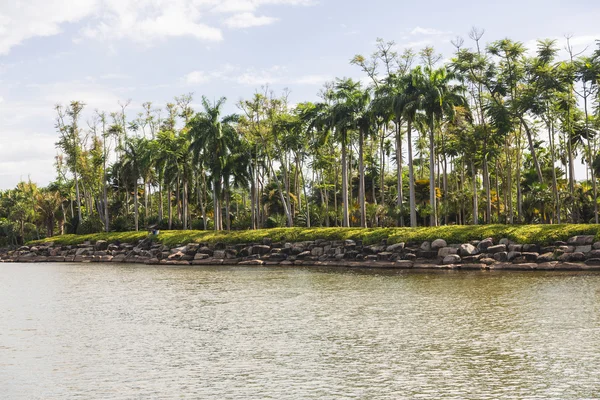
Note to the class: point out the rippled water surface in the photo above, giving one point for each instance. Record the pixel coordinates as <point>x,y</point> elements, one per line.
<point>113,331</point>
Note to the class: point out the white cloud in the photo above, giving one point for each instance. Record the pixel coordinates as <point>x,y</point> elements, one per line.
<point>196,78</point>
<point>427,31</point>
<point>248,20</point>
<point>20,21</point>
<point>242,6</point>
<point>144,21</point>
<point>276,74</point>
<point>148,20</point>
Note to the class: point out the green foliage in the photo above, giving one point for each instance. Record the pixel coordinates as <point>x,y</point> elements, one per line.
<point>539,234</point>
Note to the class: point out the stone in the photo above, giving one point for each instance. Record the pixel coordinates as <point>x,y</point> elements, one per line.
<point>546,257</point>
<point>487,261</point>
<point>515,247</point>
<point>277,257</point>
<point>583,249</point>
<point>101,245</point>
<point>531,248</point>
<point>504,241</point>
<point>596,246</point>
<point>501,256</point>
<point>191,248</point>
<point>496,249</point>
<point>201,256</point>
<point>547,266</point>
<point>484,245</point>
<point>451,259</point>
<point>409,257</point>
<point>446,251</point>
<point>431,254</point>
<point>425,246</point>
<point>384,256</point>
<point>572,257</point>
<point>349,242</point>
<point>260,249</point>
<point>317,251</point>
<point>593,261</point>
<point>84,251</point>
<point>219,254</point>
<point>512,255</point>
<point>472,259</point>
<point>530,256</point>
<point>404,264</point>
<point>438,244</point>
<point>267,241</point>
<point>581,240</point>
<point>566,249</point>
<point>395,248</point>
<point>594,254</point>
<point>467,249</point>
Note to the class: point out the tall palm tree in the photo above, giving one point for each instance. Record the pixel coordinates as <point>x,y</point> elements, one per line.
<point>212,138</point>
<point>439,97</point>
<point>131,170</point>
<point>350,107</point>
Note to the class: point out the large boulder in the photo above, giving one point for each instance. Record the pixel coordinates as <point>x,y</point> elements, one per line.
<point>395,248</point>
<point>546,257</point>
<point>581,240</point>
<point>583,248</point>
<point>317,251</point>
<point>101,245</point>
<point>501,256</point>
<point>451,259</point>
<point>484,245</point>
<point>438,244</point>
<point>467,249</point>
<point>496,249</point>
<point>425,246</point>
<point>260,249</point>
<point>513,255</point>
<point>446,251</point>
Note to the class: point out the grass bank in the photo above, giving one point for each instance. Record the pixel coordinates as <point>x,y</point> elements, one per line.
<point>539,234</point>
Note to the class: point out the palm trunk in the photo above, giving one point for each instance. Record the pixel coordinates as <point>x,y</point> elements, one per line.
<point>345,216</point>
<point>411,178</point>
<point>361,179</point>
<point>475,199</point>
<point>135,205</point>
<point>432,197</point>
<point>400,199</point>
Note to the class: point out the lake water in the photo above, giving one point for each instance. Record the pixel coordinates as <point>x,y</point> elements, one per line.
<point>93,331</point>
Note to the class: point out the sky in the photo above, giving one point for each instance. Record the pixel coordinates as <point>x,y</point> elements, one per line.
<point>105,51</point>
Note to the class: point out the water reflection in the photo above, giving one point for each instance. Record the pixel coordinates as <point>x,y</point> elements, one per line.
<point>107,331</point>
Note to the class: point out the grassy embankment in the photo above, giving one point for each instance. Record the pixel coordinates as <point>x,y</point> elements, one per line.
<point>539,234</point>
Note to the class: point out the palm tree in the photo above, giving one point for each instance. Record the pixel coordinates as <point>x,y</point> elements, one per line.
<point>439,97</point>
<point>212,138</point>
<point>350,107</point>
<point>130,170</point>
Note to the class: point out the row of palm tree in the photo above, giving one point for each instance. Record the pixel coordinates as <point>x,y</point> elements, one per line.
<point>489,134</point>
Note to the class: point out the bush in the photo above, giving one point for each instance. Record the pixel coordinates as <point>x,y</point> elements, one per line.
<point>91,224</point>
<point>121,224</point>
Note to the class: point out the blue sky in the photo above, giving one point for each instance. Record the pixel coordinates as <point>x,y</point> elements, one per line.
<point>103,51</point>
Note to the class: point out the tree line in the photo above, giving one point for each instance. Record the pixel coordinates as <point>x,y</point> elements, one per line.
<point>490,136</point>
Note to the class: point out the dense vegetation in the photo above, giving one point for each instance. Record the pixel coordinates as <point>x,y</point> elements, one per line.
<point>490,137</point>
<point>539,234</point>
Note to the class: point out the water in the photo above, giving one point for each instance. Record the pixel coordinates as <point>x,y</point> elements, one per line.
<point>83,331</point>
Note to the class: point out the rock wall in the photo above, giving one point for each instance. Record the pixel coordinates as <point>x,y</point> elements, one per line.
<point>578,253</point>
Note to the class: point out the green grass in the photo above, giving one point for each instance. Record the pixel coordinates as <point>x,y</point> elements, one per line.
<point>539,234</point>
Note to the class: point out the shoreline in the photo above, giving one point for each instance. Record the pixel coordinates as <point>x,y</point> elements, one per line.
<point>578,253</point>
